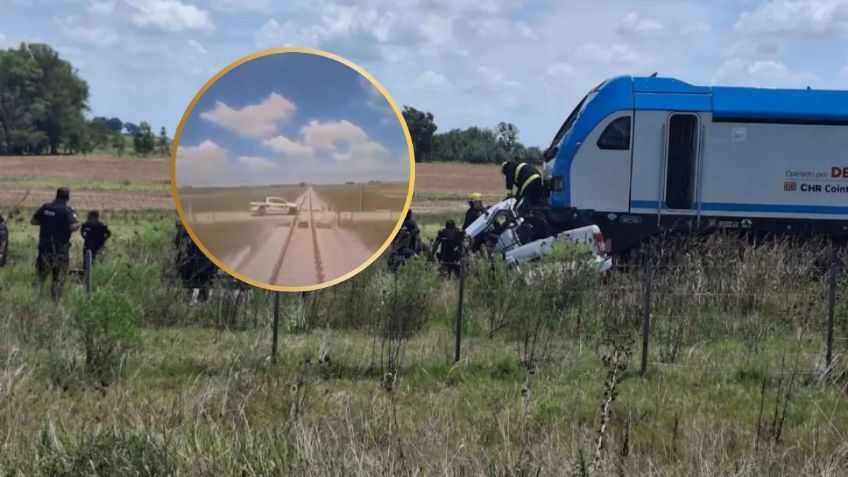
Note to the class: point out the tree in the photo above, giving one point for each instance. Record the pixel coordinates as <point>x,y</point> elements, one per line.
<point>20,106</point>
<point>64,93</point>
<point>42,100</point>
<point>421,128</point>
<point>115,124</point>
<point>144,141</point>
<point>119,143</point>
<point>508,137</point>
<point>162,142</point>
<point>99,133</point>
<point>131,128</point>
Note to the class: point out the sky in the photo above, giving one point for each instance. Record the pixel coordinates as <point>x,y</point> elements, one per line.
<point>469,62</point>
<point>290,118</point>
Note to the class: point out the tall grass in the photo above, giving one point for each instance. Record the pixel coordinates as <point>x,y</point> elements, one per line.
<point>545,386</point>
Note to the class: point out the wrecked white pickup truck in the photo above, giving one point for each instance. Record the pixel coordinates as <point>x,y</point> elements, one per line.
<point>505,232</point>
<point>273,205</point>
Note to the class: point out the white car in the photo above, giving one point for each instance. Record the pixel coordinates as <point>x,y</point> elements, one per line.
<point>273,206</point>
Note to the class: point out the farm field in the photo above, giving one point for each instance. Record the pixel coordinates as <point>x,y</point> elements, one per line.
<point>117,183</point>
<point>365,382</point>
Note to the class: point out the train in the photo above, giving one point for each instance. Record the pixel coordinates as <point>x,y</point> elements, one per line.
<point>639,155</point>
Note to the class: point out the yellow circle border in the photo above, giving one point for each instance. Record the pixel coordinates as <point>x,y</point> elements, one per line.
<point>276,51</point>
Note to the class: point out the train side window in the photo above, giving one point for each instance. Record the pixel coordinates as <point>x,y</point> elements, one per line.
<point>616,136</point>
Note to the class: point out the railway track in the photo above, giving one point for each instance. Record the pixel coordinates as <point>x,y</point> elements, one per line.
<point>319,268</point>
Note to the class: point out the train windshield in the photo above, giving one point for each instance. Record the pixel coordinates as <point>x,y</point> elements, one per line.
<point>572,118</point>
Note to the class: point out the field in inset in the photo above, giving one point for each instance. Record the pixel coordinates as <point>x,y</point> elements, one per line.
<point>325,232</point>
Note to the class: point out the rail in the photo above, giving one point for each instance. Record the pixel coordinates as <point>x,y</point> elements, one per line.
<point>279,265</point>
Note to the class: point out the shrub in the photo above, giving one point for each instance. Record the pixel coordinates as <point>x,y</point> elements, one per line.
<point>107,324</point>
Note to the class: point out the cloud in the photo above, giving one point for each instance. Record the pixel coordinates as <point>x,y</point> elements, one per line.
<point>170,15</point>
<point>795,17</point>
<point>258,164</point>
<point>763,73</point>
<point>439,37</point>
<point>634,25</point>
<point>230,6</point>
<point>96,35</point>
<point>101,8</point>
<point>698,28</point>
<point>501,28</point>
<point>617,54</point>
<point>288,147</point>
<point>197,46</point>
<point>559,71</point>
<point>430,80</point>
<point>254,120</point>
<point>751,48</point>
<point>338,140</point>
<point>495,80</point>
<point>202,165</point>
<point>324,135</point>
<point>335,21</point>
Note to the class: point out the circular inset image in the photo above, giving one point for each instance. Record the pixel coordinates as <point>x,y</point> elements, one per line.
<point>292,169</point>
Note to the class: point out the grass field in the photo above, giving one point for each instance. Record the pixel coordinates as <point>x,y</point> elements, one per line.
<point>136,381</point>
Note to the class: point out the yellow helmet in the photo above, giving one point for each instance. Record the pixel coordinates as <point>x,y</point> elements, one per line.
<point>475,196</point>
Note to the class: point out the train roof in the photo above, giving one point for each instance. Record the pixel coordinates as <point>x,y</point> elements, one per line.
<point>736,103</point>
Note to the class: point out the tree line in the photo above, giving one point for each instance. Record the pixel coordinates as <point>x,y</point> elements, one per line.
<point>474,144</point>
<point>43,102</point>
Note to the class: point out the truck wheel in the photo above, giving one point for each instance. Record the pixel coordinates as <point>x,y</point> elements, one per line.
<point>261,210</point>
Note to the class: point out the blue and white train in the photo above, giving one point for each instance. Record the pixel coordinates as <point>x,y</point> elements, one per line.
<point>639,155</point>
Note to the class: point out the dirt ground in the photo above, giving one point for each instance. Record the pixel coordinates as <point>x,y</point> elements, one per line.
<point>92,167</point>
<point>438,187</point>
<point>446,178</point>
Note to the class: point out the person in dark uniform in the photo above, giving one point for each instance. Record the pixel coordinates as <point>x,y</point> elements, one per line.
<point>407,243</point>
<point>526,180</point>
<point>194,269</point>
<point>95,234</point>
<point>56,221</point>
<point>475,209</point>
<point>4,242</point>
<point>449,248</point>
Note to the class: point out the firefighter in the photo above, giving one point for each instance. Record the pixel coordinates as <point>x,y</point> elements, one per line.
<point>448,248</point>
<point>194,269</point>
<point>95,234</point>
<point>475,209</point>
<point>4,242</point>
<point>526,180</point>
<point>56,221</point>
<point>406,244</point>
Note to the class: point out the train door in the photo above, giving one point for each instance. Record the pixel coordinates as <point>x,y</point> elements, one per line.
<point>680,174</point>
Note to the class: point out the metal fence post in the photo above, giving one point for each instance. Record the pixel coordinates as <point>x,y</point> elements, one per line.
<point>646,309</point>
<point>87,266</point>
<point>458,348</point>
<point>831,307</point>
<point>276,329</point>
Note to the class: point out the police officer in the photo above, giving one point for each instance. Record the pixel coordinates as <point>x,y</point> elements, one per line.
<point>475,209</point>
<point>95,234</point>
<point>56,221</point>
<point>407,243</point>
<point>526,180</point>
<point>448,248</point>
<point>4,242</point>
<point>194,269</point>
